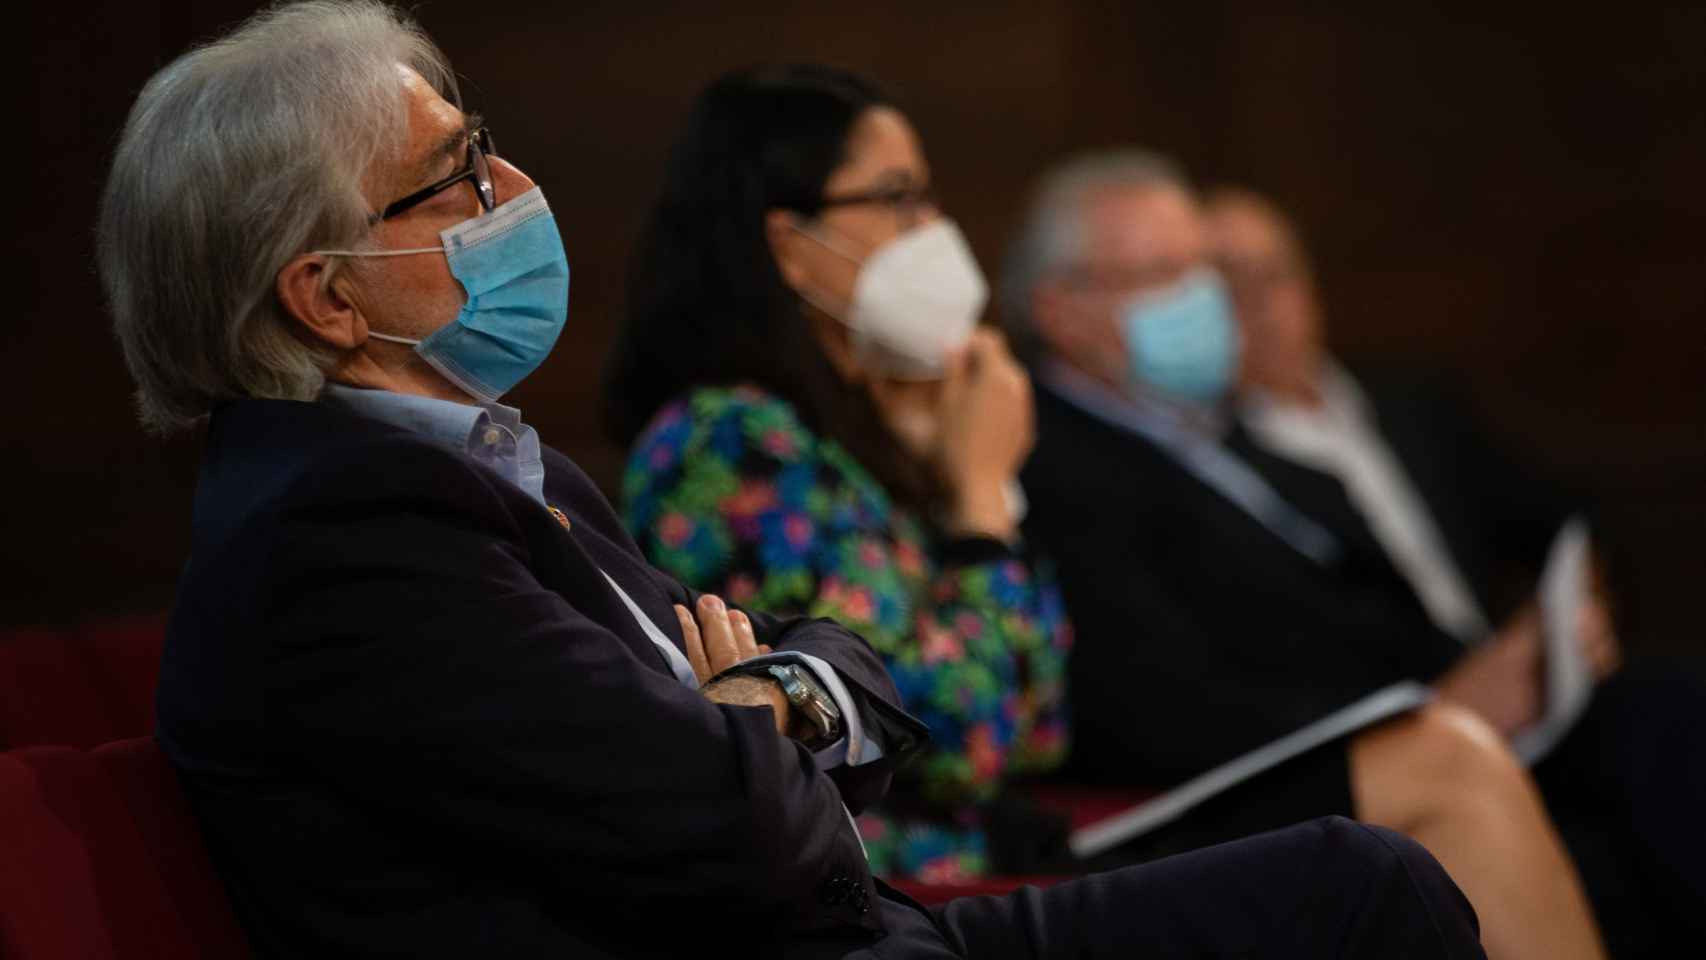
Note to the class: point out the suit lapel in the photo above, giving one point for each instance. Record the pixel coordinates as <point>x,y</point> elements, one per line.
<point>1318,495</point>
<point>589,556</point>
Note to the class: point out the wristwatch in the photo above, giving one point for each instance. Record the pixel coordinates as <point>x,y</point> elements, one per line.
<point>805,695</point>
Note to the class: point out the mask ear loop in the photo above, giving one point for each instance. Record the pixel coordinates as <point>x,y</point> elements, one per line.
<point>405,341</point>
<point>835,248</point>
<point>815,300</point>
<point>377,253</point>
<point>866,349</point>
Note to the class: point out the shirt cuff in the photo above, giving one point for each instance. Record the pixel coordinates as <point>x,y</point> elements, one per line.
<point>857,744</point>
<point>973,551</point>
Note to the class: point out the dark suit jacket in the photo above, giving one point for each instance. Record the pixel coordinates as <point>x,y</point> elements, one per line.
<point>415,720</point>
<point>1200,634</point>
<point>1497,515</point>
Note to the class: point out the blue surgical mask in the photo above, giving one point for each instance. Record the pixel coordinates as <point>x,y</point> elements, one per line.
<point>511,264</point>
<point>1183,342</point>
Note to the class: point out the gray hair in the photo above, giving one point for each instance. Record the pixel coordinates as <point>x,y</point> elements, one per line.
<point>236,157</point>
<point>1051,234</point>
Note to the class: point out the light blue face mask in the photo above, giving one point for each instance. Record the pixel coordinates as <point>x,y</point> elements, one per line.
<point>1183,343</point>
<point>511,264</point>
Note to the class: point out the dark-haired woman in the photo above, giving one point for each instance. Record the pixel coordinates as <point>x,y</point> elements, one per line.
<point>819,426</point>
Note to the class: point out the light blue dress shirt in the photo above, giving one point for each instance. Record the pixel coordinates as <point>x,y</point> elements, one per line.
<point>1203,455</point>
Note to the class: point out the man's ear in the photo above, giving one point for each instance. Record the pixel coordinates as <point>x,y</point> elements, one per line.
<point>1048,312</point>
<point>317,303</point>
<point>1095,346</point>
<point>781,233</point>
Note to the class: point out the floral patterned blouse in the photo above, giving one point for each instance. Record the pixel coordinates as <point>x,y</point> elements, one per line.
<point>728,491</point>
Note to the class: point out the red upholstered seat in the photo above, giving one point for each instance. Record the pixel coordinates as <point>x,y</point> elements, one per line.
<point>142,776</point>
<point>48,693</point>
<point>123,660</point>
<point>50,900</point>
<point>933,894</point>
<point>79,686</point>
<point>1084,806</point>
<point>101,859</point>
<point>1081,806</point>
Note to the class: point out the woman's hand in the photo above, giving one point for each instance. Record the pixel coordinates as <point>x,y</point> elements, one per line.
<point>987,429</point>
<point>974,428</point>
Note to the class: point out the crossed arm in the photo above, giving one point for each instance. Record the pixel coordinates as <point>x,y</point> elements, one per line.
<point>455,693</point>
<point>721,638</point>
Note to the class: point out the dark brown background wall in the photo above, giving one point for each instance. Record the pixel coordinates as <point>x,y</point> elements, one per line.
<point>1512,197</point>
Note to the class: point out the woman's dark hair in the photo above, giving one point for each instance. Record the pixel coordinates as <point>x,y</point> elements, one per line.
<point>706,302</point>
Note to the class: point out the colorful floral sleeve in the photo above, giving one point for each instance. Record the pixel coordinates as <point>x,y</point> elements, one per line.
<point>989,605</point>
<point>729,492</point>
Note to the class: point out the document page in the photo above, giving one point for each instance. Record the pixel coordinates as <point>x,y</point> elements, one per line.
<point>1568,681</point>
<point>1115,830</point>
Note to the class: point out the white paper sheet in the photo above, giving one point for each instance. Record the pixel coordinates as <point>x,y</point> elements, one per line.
<point>1115,830</point>
<point>1569,683</point>
<point>1569,686</point>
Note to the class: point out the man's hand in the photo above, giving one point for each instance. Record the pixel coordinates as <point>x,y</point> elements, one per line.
<point>1600,646</point>
<point>1502,678</point>
<point>719,639</point>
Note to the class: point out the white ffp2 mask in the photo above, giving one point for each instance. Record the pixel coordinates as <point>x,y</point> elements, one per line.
<point>915,300</point>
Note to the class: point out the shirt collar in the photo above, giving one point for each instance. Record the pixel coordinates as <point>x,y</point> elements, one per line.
<point>1342,403</point>
<point>489,433</point>
<point>1199,450</point>
<point>1130,408</point>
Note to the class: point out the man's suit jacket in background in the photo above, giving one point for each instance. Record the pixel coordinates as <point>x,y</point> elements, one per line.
<point>1201,633</point>
<point>1496,514</point>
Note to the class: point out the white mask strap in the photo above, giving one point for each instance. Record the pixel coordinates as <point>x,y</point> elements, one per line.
<point>377,253</point>
<point>809,297</point>
<point>406,341</point>
<point>823,242</point>
<point>818,302</point>
<point>386,336</point>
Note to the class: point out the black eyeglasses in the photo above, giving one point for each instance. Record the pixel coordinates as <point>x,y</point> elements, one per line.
<point>909,202</point>
<point>479,170</point>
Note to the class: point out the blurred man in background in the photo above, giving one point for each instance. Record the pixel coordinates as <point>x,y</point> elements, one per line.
<point>1466,527</point>
<point>1225,596</point>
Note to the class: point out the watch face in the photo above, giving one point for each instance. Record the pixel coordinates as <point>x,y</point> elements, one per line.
<point>804,696</point>
<point>789,679</point>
